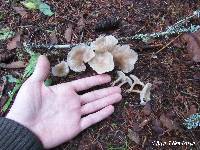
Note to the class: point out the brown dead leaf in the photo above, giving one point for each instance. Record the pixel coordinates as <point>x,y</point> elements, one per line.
<point>133,136</point>
<point>156,126</point>
<point>21,11</point>
<point>2,87</point>
<point>144,123</point>
<point>13,65</point>
<point>14,43</point>
<point>166,122</point>
<point>68,33</point>
<point>192,110</point>
<point>147,109</point>
<point>136,127</point>
<point>193,44</point>
<point>5,57</point>
<point>53,38</point>
<point>197,76</point>
<point>81,23</point>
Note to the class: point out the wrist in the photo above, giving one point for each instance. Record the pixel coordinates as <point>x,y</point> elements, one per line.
<point>30,125</point>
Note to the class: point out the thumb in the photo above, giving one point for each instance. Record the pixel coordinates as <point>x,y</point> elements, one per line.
<point>42,68</point>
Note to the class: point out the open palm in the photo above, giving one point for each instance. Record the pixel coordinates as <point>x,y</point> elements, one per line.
<point>57,113</point>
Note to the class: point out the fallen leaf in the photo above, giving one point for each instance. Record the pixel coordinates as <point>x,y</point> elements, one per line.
<point>14,43</point>
<point>171,114</point>
<point>136,127</point>
<point>53,38</point>
<point>166,122</point>
<point>13,65</point>
<point>45,9</point>
<point>3,86</point>
<point>147,109</point>
<point>144,123</point>
<point>193,44</point>
<point>21,11</point>
<point>133,136</point>
<point>5,33</point>
<point>156,126</point>
<point>32,5</point>
<point>196,76</point>
<point>192,110</point>
<point>81,23</point>
<point>68,33</point>
<point>5,57</point>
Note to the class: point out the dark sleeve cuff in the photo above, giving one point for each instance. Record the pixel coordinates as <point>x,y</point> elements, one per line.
<point>14,136</point>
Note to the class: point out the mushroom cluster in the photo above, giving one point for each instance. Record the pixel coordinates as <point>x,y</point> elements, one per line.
<point>102,55</point>
<point>145,93</point>
<point>122,57</point>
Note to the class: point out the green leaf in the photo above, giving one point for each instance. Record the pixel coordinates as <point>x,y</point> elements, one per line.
<point>11,95</point>
<point>12,79</point>
<point>32,4</point>
<point>45,9</point>
<point>28,72</point>
<point>31,66</point>
<point>48,82</point>
<point>6,33</point>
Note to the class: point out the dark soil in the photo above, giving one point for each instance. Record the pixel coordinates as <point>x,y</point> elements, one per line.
<point>174,76</point>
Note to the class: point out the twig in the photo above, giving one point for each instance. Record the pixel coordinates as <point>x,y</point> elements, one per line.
<point>177,28</point>
<point>168,44</point>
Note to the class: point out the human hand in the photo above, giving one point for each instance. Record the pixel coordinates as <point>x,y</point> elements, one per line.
<point>57,113</point>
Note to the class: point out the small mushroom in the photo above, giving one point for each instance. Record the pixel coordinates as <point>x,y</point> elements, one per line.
<point>123,78</point>
<point>144,94</point>
<point>78,56</point>
<point>102,62</point>
<point>61,69</point>
<point>104,43</point>
<point>136,81</point>
<point>124,57</point>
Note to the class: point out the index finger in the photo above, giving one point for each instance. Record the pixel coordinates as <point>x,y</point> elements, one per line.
<point>86,83</point>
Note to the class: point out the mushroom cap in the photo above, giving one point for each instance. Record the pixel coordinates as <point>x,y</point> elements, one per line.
<point>104,43</point>
<point>145,94</point>
<point>102,62</point>
<point>78,56</point>
<point>124,57</point>
<point>136,80</point>
<point>61,69</point>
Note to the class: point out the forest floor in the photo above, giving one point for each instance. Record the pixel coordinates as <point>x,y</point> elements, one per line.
<point>175,77</point>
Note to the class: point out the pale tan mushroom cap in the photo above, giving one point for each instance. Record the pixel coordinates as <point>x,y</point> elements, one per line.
<point>124,57</point>
<point>104,43</point>
<point>145,94</point>
<point>78,55</point>
<point>61,69</point>
<point>102,62</point>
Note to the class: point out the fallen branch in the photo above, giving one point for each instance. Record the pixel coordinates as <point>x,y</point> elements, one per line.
<point>177,28</point>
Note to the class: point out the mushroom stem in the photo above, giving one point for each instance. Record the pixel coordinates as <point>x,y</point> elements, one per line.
<point>131,88</point>
<point>124,82</point>
<point>116,81</point>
